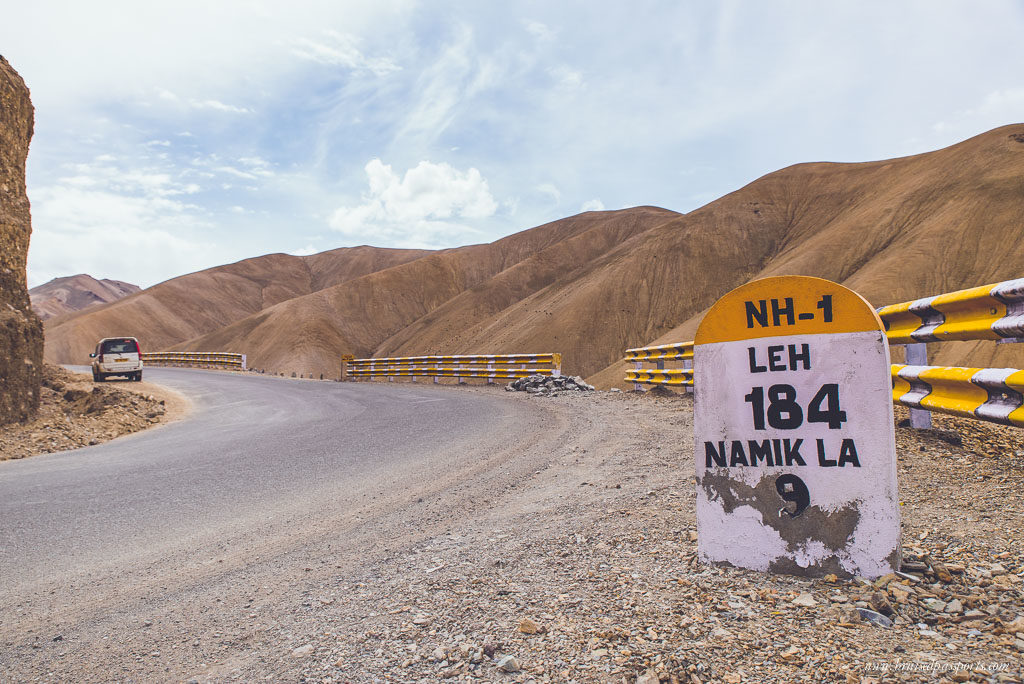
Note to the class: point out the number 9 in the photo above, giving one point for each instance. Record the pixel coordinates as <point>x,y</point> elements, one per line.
<point>792,489</point>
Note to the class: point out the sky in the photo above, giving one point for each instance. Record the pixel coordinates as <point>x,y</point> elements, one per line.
<point>172,137</point>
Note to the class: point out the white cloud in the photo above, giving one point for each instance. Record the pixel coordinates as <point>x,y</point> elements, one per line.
<point>113,220</point>
<point>338,49</point>
<point>219,106</point>
<point>304,251</point>
<point>192,103</point>
<point>566,78</point>
<point>442,89</point>
<point>551,191</point>
<point>415,209</point>
<point>250,168</point>
<point>539,30</point>
<point>139,239</point>
<point>592,205</point>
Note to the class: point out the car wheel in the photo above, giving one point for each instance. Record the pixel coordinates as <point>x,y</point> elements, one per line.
<point>98,377</point>
<point>138,377</point>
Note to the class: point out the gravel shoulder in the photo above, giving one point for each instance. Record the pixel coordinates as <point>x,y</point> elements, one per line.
<point>75,412</point>
<point>563,551</point>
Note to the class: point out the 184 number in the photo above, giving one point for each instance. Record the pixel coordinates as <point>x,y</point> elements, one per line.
<point>784,413</point>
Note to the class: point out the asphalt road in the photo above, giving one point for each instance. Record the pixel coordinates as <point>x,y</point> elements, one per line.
<point>253,452</point>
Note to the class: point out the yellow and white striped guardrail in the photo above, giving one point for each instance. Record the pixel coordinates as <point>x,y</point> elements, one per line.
<point>989,312</point>
<point>229,360</point>
<point>662,352</point>
<point>680,352</point>
<point>485,366</point>
<point>992,394</point>
<point>682,377</point>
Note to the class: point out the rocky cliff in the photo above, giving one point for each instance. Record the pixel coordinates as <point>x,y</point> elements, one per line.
<point>21,331</point>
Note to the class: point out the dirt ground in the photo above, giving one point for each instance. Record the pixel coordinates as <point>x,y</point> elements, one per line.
<point>75,412</point>
<point>568,557</point>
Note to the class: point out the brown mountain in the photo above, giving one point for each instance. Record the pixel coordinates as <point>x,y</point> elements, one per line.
<point>440,295</point>
<point>198,303</point>
<point>892,230</point>
<point>592,285</point>
<point>77,292</point>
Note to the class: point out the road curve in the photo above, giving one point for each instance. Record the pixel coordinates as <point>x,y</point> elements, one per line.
<point>252,450</point>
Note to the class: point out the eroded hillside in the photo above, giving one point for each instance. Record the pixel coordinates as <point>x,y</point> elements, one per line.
<point>74,293</point>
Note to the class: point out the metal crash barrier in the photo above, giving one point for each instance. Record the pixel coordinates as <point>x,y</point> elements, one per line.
<point>224,360</point>
<point>681,353</point>
<point>990,312</point>
<point>992,394</point>
<point>490,367</point>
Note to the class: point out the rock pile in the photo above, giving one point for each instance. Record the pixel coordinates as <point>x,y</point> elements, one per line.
<point>546,385</point>
<point>73,412</point>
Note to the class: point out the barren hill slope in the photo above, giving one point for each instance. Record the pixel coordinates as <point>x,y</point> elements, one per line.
<point>308,334</point>
<point>74,293</point>
<point>892,230</point>
<point>201,302</point>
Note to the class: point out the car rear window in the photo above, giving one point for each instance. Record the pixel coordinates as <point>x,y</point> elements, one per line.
<point>120,347</point>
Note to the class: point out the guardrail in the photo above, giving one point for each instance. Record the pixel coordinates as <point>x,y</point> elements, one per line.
<point>681,352</point>
<point>990,312</point>
<point>227,360</point>
<point>487,366</point>
<point>992,394</point>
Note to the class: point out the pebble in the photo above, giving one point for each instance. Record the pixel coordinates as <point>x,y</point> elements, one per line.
<point>874,618</point>
<point>508,663</point>
<point>880,602</point>
<point>528,626</point>
<point>804,599</point>
<point>302,651</point>
<point>648,677</point>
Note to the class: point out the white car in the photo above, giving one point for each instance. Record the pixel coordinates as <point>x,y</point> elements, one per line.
<point>116,356</point>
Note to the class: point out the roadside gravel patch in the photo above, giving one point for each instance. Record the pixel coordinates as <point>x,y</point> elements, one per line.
<point>567,554</point>
<point>76,412</point>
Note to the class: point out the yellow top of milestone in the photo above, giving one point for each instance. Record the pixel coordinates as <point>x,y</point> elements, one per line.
<point>786,305</point>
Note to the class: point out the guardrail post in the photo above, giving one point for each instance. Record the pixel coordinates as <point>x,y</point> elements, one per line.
<point>688,365</point>
<point>917,355</point>
<point>637,365</point>
<point>243,362</point>
<point>490,367</point>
